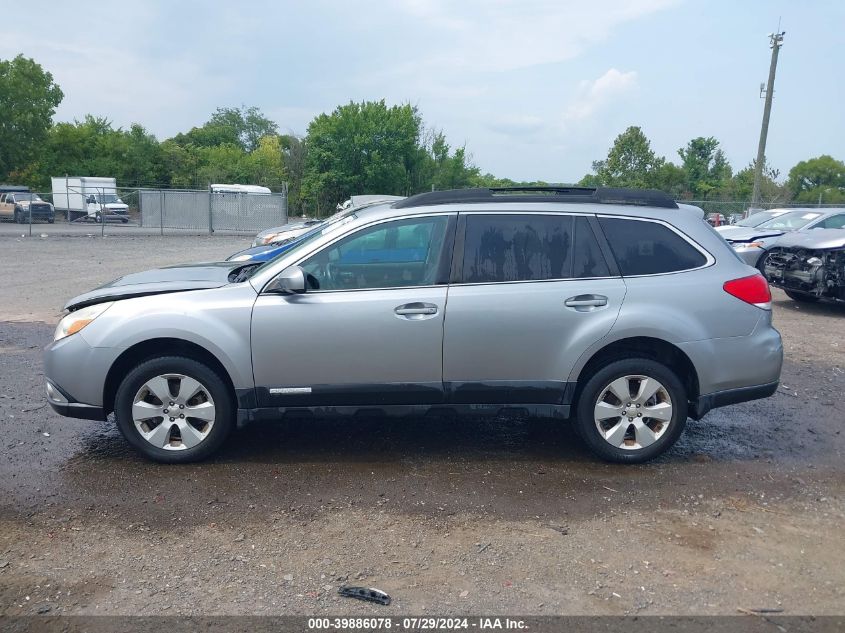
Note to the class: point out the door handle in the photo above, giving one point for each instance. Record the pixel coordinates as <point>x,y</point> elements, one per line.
<point>416,309</point>
<point>586,302</point>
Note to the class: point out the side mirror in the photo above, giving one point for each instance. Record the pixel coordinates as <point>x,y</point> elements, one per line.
<point>290,281</point>
<point>91,200</point>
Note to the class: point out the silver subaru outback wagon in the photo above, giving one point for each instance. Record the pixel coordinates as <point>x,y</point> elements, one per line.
<point>617,309</point>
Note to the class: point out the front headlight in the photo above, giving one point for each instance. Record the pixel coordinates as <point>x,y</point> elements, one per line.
<point>261,240</point>
<point>75,321</point>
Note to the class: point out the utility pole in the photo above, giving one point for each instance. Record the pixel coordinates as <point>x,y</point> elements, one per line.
<point>776,41</point>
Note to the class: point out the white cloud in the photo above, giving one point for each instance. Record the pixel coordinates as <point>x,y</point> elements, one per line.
<point>503,35</point>
<point>594,95</point>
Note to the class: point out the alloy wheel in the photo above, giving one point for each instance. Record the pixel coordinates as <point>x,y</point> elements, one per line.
<point>173,412</point>
<point>633,412</point>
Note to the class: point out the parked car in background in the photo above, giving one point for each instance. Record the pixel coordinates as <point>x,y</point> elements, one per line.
<point>571,303</point>
<point>274,241</point>
<point>284,233</point>
<point>716,219</point>
<point>91,198</point>
<point>755,219</point>
<point>809,265</point>
<point>279,235</point>
<point>22,206</point>
<point>751,243</point>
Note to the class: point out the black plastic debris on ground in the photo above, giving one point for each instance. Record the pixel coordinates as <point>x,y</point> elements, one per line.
<point>365,593</point>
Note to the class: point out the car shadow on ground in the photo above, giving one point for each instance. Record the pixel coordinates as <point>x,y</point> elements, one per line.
<point>818,309</point>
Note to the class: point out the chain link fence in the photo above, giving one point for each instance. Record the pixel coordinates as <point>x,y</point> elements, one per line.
<point>211,210</point>
<point>122,210</point>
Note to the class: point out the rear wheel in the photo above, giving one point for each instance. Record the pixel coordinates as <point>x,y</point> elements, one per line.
<point>632,410</point>
<point>174,409</point>
<point>801,297</point>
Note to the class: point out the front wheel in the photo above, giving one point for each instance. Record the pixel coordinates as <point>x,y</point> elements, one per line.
<point>174,409</point>
<point>632,410</point>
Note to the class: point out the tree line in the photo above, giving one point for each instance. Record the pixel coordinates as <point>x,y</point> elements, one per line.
<point>366,147</point>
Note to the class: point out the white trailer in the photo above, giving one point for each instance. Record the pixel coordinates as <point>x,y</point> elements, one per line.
<point>90,197</point>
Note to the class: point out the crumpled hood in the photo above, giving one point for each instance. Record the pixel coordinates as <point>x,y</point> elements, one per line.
<point>814,239</point>
<point>158,281</point>
<point>749,233</point>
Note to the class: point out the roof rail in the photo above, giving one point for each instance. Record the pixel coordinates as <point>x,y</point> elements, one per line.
<point>587,195</point>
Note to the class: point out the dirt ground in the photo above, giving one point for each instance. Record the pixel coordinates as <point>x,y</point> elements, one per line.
<point>449,516</point>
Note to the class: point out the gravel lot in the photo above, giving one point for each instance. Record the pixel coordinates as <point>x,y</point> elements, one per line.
<point>449,516</point>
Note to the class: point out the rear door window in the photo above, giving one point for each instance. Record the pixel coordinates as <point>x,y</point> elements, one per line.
<point>642,247</point>
<point>517,247</point>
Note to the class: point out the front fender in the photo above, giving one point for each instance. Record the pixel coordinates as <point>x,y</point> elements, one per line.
<point>217,320</point>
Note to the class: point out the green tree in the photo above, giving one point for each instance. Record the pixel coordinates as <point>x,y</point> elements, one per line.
<point>28,100</point>
<point>294,150</point>
<point>361,148</point>
<point>821,175</point>
<point>670,178</point>
<point>741,185</point>
<point>92,147</point>
<point>244,127</point>
<point>705,166</point>
<point>630,162</point>
<point>265,164</point>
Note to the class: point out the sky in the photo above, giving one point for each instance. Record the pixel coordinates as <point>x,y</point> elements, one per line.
<point>535,89</point>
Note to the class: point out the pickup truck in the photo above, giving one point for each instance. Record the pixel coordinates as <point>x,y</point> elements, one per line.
<point>18,205</point>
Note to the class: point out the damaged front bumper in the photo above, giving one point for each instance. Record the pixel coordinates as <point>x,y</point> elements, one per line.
<point>816,272</point>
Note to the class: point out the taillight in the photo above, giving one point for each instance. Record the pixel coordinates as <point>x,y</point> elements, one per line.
<point>753,290</point>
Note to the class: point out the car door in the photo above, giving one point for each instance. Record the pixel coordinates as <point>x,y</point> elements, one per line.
<point>6,209</point>
<point>369,330</point>
<point>530,293</point>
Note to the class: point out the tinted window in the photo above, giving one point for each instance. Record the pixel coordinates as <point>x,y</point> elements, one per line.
<point>587,259</point>
<point>648,248</point>
<point>517,248</point>
<point>388,255</point>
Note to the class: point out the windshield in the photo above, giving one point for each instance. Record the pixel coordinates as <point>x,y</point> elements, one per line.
<point>757,218</point>
<point>107,198</point>
<point>329,226</point>
<point>26,197</point>
<point>791,221</point>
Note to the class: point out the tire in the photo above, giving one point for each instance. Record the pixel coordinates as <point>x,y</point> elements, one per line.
<point>18,219</point>
<point>51,219</point>
<point>201,436</point>
<point>623,445</point>
<point>98,218</point>
<point>761,264</point>
<point>801,297</point>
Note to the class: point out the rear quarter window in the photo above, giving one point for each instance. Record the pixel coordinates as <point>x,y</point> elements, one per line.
<point>642,247</point>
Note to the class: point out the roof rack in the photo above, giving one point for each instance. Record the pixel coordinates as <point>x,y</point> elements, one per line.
<point>587,195</point>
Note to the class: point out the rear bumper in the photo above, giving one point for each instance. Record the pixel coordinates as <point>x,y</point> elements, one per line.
<point>730,396</point>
